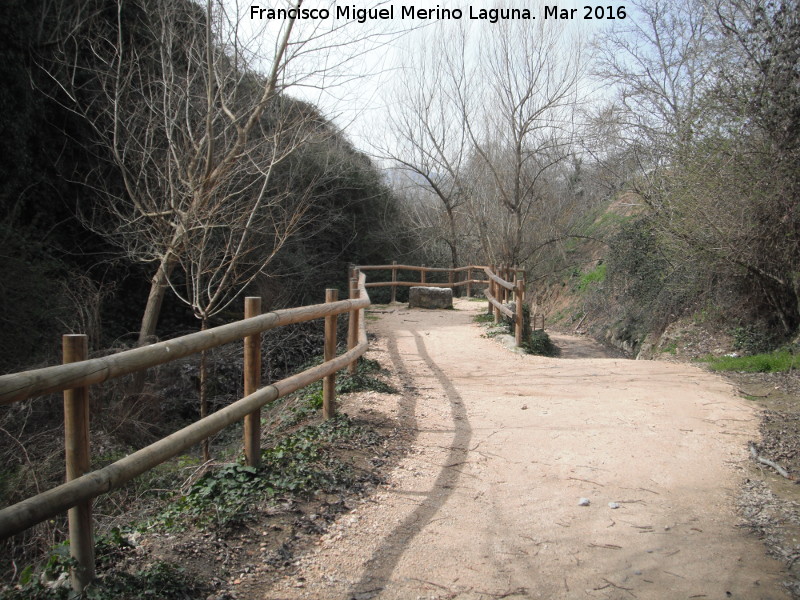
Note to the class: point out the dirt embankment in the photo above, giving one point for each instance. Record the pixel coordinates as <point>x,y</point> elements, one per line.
<point>530,477</point>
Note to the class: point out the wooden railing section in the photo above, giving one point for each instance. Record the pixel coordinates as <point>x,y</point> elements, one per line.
<point>453,281</point>
<point>77,373</point>
<point>507,284</point>
<point>504,285</point>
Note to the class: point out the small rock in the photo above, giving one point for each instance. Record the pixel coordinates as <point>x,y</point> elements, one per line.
<point>584,502</point>
<point>524,407</point>
<point>613,505</point>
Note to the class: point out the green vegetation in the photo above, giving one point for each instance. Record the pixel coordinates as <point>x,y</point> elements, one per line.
<point>773,362</point>
<point>671,348</point>
<point>158,580</point>
<point>364,380</point>
<point>483,318</point>
<point>540,343</point>
<point>298,464</point>
<point>595,276</point>
<point>751,339</point>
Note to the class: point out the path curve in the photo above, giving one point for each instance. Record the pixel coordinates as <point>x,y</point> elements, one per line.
<point>486,504</point>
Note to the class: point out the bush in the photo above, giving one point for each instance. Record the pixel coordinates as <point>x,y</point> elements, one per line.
<point>540,343</point>
<point>753,340</point>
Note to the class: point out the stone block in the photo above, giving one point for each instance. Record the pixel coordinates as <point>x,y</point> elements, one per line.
<point>430,297</point>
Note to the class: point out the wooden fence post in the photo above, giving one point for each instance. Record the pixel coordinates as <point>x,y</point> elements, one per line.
<point>422,274</point>
<point>76,446</point>
<point>352,324</point>
<point>394,280</point>
<point>490,289</point>
<point>252,381</point>
<point>497,292</point>
<point>450,279</point>
<point>469,282</point>
<point>519,299</point>
<point>329,383</point>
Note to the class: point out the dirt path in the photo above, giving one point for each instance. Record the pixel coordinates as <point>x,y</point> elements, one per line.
<point>486,504</point>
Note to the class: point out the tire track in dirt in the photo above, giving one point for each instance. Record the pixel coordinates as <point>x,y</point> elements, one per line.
<point>379,568</point>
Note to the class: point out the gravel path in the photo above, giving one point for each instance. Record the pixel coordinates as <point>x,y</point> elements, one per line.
<point>486,503</point>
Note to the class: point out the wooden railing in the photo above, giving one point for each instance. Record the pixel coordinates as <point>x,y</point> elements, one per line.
<point>77,374</point>
<point>500,294</point>
<point>452,277</point>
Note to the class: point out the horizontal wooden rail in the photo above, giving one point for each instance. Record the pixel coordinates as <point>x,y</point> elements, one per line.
<point>377,284</point>
<point>499,305</point>
<point>20,516</point>
<point>417,268</point>
<point>394,283</point>
<point>19,386</point>
<point>498,280</point>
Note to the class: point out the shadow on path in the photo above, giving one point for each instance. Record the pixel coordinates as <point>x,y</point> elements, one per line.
<point>381,565</point>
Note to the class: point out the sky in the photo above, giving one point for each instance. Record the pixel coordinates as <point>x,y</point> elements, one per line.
<point>346,65</point>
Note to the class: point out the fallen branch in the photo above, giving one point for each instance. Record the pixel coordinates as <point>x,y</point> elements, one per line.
<point>765,461</point>
<point>743,393</point>
<point>578,326</point>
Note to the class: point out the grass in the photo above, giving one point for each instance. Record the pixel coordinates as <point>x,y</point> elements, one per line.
<point>596,275</point>
<point>671,348</point>
<point>772,362</point>
<point>483,318</point>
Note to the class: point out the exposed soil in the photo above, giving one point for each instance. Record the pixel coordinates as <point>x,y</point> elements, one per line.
<point>770,502</point>
<point>229,562</point>
<point>503,448</point>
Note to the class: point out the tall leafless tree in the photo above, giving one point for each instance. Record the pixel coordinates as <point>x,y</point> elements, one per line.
<point>484,121</point>
<point>429,139</point>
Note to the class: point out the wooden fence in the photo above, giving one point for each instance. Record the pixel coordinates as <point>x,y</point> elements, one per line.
<point>504,285</point>
<point>77,373</point>
<point>453,279</point>
<point>507,284</point>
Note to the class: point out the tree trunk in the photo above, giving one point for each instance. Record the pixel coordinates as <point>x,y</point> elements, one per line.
<point>453,247</point>
<point>152,310</point>
<point>204,392</point>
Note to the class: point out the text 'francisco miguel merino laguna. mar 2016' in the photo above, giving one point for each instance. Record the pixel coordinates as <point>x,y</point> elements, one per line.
<point>437,13</point>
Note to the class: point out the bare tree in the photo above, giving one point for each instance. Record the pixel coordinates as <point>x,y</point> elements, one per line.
<point>483,121</point>
<point>186,125</point>
<point>430,140</point>
<point>660,62</point>
<point>519,120</point>
<point>175,95</point>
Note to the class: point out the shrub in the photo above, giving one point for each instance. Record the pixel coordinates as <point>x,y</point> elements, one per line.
<point>540,343</point>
